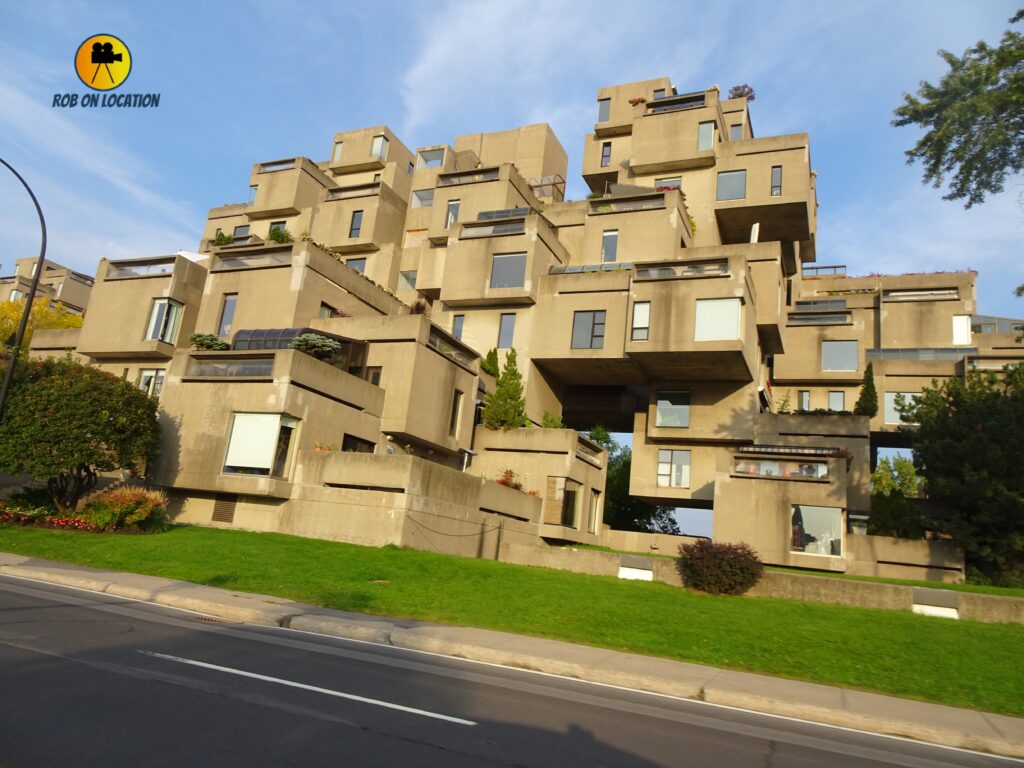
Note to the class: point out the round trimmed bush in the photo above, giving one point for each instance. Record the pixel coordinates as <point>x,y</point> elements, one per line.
<point>719,569</point>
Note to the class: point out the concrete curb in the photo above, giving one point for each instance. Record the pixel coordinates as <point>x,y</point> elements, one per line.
<point>932,723</point>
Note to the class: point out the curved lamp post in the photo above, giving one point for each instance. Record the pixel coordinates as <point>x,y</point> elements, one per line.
<point>23,325</point>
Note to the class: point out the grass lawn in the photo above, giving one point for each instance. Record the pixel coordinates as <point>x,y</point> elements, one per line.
<point>961,663</point>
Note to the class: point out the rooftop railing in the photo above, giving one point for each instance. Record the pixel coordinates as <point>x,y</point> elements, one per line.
<point>504,213</point>
<point>947,354</point>
<point>470,230</point>
<point>450,350</point>
<point>613,205</point>
<point>121,270</point>
<point>675,271</point>
<point>358,190</point>
<point>615,266</point>
<point>278,165</point>
<point>230,368</point>
<point>468,177</point>
<point>832,270</point>
<point>229,261</point>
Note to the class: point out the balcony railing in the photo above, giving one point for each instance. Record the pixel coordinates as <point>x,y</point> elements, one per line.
<point>468,177</point>
<point>676,103</point>
<point>504,213</point>
<point>952,354</point>
<point>359,190</point>
<point>119,271</point>
<point>615,266</point>
<point>470,230</point>
<point>821,305</point>
<point>690,269</point>
<point>230,368</point>
<point>783,468</point>
<point>278,165</point>
<point>818,318</point>
<point>440,344</point>
<point>588,453</point>
<point>611,205</point>
<point>227,262</point>
<point>825,271</point>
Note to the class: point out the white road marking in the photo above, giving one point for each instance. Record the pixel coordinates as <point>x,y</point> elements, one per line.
<point>313,688</point>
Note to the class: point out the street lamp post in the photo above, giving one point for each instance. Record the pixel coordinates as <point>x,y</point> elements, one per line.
<point>23,325</point>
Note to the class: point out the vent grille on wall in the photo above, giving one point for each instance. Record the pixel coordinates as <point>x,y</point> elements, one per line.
<point>224,508</point>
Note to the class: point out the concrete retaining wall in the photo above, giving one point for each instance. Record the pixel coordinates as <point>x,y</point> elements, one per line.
<point>821,589</point>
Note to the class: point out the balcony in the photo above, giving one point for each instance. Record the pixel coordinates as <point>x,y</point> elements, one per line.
<point>285,188</point>
<point>468,177</point>
<point>831,270</point>
<point>688,269</point>
<point>780,468</point>
<point>279,256</point>
<point>668,136</point>
<point>121,270</point>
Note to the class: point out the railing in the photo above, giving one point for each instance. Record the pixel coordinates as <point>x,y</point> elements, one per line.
<point>470,231</point>
<point>821,305</point>
<point>613,266</point>
<point>676,103</point>
<point>440,344</point>
<point>610,205</point>
<point>835,269</point>
<point>818,318</point>
<point>920,353</point>
<point>359,190</point>
<point>504,213</point>
<point>230,368</point>
<point>924,294</point>
<point>119,271</point>
<point>278,165</point>
<point>786,469</point>
<point>468,177</point>
<point>690,269</point>
<point>227,262</point>
<point>588,453</point>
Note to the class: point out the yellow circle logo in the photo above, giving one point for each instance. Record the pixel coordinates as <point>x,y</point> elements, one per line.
<point>103,62</point>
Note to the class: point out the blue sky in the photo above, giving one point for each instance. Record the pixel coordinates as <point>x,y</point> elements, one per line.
<point>254,81</point>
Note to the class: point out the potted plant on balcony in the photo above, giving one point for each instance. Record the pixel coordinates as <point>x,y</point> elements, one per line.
<point>222,238</point>
<point>280,235</point>
<point>207,341</point>
<point>316,345</point>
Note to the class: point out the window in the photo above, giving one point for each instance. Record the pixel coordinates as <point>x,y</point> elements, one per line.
<point>253,189</point>
<point>164,319</point>
<point>588,329</point>
<point>641,321</point>
<point>327,311</point>
<point>356,265</point>
<point>892,402</point>
<point>595,510</point>
<point>659,93</point>
<point>604,110</point>
<point>506,331</point>
<point>673,409</point>
<point>839,355</point>
<point>452,214</point>
<point>732,185</point>
<point>673,469</point>
<point>508,270</point>
<point>17,295</point>
<point>736,131</point>
<point>260,444</point>
<point>961,329</point>
<point>675,182</point>
<point>457,323</point>
<point>609,244</point>
<point>705,136</point>
<point>422,198</point>
<point>431,158</point>
<point>151,381</point>
<point>241,230</point>
<point>373,375</point>
<point>836,401</point>
<point>407,280</point>
<point>717,320</point>
<point>409,169</point>
<point>570,497</point>
<point>453,419</point>
<point>336,154</point>
<point>356,225</point>
<point>776,180</point>
<point>817,530</point>
<point>278,226</point>
<point>353,444</point>
<point>379,149</point>
<point>803,400</point>
<point>606,154</point>
<point>227,314</point>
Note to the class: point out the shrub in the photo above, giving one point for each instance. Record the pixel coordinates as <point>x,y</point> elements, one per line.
<point>490,363</point>
<point>551,421</point>
<point>719,569</point>
<point>320,347</point>
<point>223,238</point>
<point>510,479</point>
<point>505,408</point>
<point>867,401</point>
<point>207,341</point>
<point>137,509</point>
<point>419,308</point>
<point>280,235</point>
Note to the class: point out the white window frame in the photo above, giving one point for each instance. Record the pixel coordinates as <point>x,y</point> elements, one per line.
<point>641,329</point>
<point>669,471</point>
<point>154,386</point>
<point>164,326</point>
<point>379,147</point>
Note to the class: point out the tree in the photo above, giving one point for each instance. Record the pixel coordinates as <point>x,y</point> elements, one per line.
<point>490,363</point>
<point>505,408</point>
<point>969,450</point>
<point>42,317</point>
<point>65,422</point>
<point>867,401</point>
<point>974,117</point>
<point>742,91</point>
<point>893,485</point>
<point>621,511</point>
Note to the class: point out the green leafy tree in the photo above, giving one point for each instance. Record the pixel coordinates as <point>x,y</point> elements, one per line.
<point>621,511</point>
<point>223,238</point>
<point>551,421</point>
<point>974,119</point>
<point>505,408</point>
<point>893,513</point>
<point>968,449</point>
<point>867,401</point>
<point>65,422</point>
<point>42,317</point>
<point>279,235</point>
<point>490,363</point>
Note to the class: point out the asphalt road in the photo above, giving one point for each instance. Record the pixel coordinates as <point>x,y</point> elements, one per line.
<point>90,679</point>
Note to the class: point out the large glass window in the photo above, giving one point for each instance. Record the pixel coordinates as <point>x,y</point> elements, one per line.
<point>151,381</point>
<point>673,469</point>
<point>422,198</point>
<point>164,319</point>
<point>356,265</point>
<point>355,227</point>
<point>892,401</point>
<point>717,320</point>
<point>839,355</point>
<point>260,444</point>
<point>379,148</point>
<point>506,330</point>
<point>242,230</point>
<point>508,270</point>
<point>227,314</point>
<point>588,329</point>
<point>673,409</point>
<point>609,245</point>
<point>452,214</point>
<point>705,136</point>
<point>803,400</point>
<point>776,180</point>
<point>604,110</point>
<point>407,280</point>
<point>457,322</point>
<point>817,530</point>
<point>735,131</point>
<point>836,401</point>
<point>606,154</point>
<point>570,500</point>
<point>641,321</point>
<point>732,185</point>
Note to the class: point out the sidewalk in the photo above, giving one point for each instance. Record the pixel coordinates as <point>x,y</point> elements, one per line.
<point>932,723</point>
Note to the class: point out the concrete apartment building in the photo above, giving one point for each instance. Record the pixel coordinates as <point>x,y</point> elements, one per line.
<point>681,302</point>
<point>57,284</point>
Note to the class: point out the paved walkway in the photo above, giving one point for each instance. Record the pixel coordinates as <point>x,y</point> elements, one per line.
<point>933,723</point>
